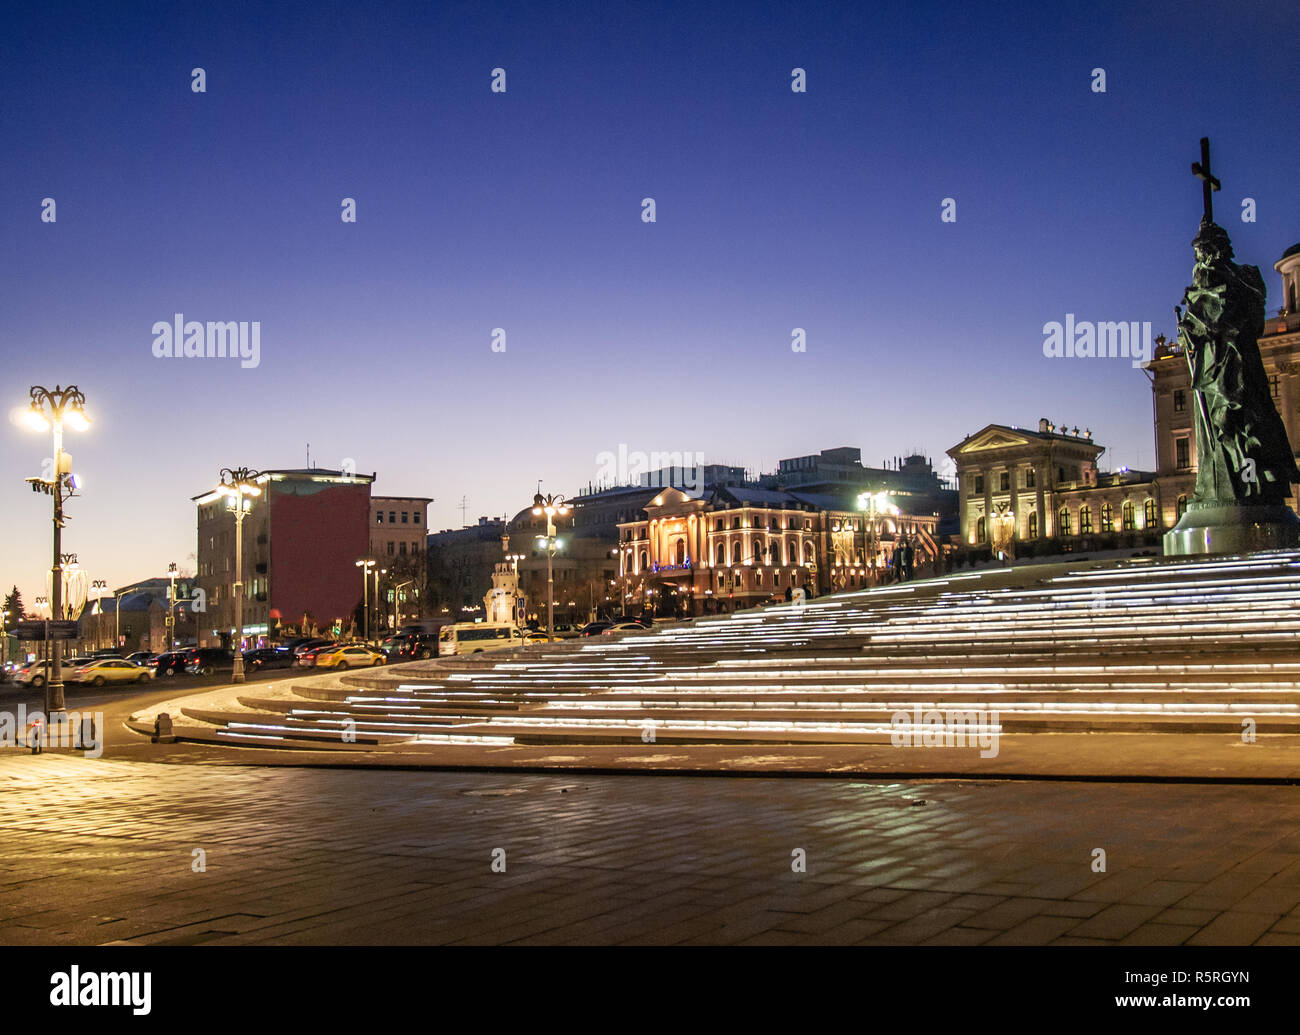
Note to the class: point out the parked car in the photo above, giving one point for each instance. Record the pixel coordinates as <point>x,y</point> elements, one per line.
<point>142,657</point>
<point>204,661</point>
<point>408,646</point>
<point>268,658</point>
<point>348,656</point>
<point>170,663</point>
<point>109,670</point>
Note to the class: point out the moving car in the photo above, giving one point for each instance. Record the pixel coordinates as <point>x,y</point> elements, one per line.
<point>477,637</point>
<point>306,657</point>
<point>170,663</point>
<point>409,646</point>
<point>142,657</point>
<point>622,627</point>
<point>268,658</point>
<point>32,674</point>
<point>101,671</point>
<point>204,661</point>
<point>348,656</point>
<point>594,628</point>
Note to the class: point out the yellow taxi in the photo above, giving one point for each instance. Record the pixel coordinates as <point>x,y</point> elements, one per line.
<point>348,655</point>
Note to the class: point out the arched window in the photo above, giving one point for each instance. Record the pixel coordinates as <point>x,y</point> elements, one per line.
<point>776,551</point>
<point>809,552</point>
<point>981,530</point>
<point>1126,516</point>
<point>1033,524</point>
<point>759,550</point>
<point>1063,521</point>
<point>1085,520</point>
<point>1150,516</point>
<point>722,554</point>
<point>644,561</point>
<point>735,553</point>
<point>1107,518</point>
<point>680,556</point>
<point>1182,505</point>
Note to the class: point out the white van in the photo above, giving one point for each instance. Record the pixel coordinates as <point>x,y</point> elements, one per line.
<point>476,637</point>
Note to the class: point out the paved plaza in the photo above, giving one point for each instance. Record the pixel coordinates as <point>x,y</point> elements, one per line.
<point>99,852</point>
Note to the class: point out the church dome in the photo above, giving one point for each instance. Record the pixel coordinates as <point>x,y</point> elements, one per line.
<point>1293,250</point>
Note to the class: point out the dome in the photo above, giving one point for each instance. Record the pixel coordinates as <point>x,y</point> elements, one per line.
<point>1293,250</point>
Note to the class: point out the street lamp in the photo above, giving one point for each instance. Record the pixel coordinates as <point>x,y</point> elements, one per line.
<point>64,405</point>
<point>99,585</point>
<point>239,485</point>
<point>366,564</point>
<point>379,617</point>
<point>550,506</point>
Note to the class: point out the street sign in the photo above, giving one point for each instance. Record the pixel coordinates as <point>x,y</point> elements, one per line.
<point>36,630</point>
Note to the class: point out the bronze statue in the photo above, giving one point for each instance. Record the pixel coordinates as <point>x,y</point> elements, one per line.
<point>1243,455</point>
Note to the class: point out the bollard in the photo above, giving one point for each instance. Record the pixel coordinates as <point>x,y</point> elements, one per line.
<point>162,729</point>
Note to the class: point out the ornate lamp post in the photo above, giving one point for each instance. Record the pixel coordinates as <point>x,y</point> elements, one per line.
<point>50,410</point>
<point>550,506</point>
<point>239,485</point>
<point>365,564</point>
<point>99,585</point>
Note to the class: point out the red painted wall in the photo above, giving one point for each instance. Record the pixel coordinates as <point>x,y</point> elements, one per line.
<point>318,531</point>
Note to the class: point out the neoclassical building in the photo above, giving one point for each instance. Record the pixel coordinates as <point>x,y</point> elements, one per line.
<point>738,546</point>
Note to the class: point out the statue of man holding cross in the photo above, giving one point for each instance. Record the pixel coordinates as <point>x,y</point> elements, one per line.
<point>1243,455</point>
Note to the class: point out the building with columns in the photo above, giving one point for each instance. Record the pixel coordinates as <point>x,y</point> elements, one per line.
<point>740,545</point>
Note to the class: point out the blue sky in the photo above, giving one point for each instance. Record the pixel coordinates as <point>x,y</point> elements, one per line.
<point>522,210</point>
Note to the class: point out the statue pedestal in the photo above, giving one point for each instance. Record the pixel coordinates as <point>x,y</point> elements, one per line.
<point>1233,528</point>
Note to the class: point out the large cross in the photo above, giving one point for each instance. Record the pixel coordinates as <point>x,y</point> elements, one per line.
<point>1208,183</point>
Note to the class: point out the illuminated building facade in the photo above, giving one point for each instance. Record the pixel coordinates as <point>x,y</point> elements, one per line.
<point>739,546</point>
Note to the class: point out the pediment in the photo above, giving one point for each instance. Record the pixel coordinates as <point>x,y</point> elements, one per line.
<point>992,438</point>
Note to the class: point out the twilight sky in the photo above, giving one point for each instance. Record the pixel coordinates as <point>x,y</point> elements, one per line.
<point>522,211</point>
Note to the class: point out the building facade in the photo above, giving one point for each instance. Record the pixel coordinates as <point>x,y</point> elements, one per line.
<point>302,537</point>
<point>740,546</point>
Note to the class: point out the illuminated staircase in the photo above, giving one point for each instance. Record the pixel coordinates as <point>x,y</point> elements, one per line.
<point>1158,645</point>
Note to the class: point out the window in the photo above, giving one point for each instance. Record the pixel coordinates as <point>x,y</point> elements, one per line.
<point>1126,519</point>
<point>405,516</point>
<point>416,517</point>
<point>735,553</point>
<point>1063,521</point>
<point>1033,523</point>
<point>1180,400</point>
<point>392,517</point>
<point>980,530</point>
<point>722,554</point>
<point>1029,478</point>
<point>1004,481</point>
<point>1182,505</point>
<point>379,517</point>
<point>1085,520</point>
<point>1150,518</point>
<point>1273,385</point>
<point>390,549</point>
<point>979,483</point>
<point>1182,453</point>
<point>1107,518</point>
